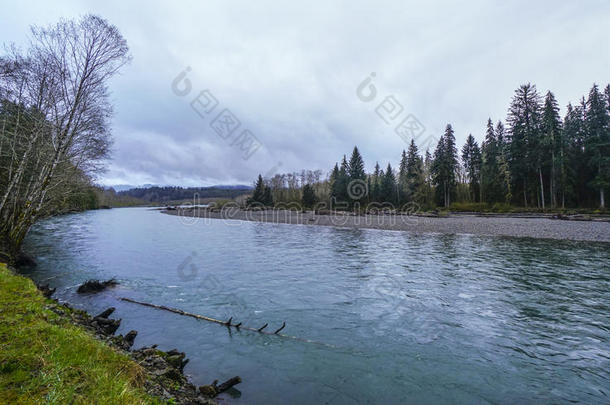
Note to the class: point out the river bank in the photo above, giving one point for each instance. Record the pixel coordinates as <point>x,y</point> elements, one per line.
<point>529,226</point>
<point>51,352</point>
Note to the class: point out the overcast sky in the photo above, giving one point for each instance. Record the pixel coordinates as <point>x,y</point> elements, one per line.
<point>289,73</point>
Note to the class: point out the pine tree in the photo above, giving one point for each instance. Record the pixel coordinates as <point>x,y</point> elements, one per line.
<point>471,157</point>
<point>267,199</point>
<point>415,173</point>
<point>356,166</point>
<point>576,170</point>
<point>451,162</point>
<point>524,126</point>
<point>597,145</point>
<point>437,171</point>
<point>309,196</point>
<point>503,167</point>
<point>376,183</point>
<point>551,143</point>
<point>343,182</point>
<point>258,195</point>
<point>445,166</point>
<point>388,186</point>
<point>490,171</point>
<point>428,189</point>
<point>334,182</point>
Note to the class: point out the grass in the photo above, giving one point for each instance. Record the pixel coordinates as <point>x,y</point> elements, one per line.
<point>44,358</point>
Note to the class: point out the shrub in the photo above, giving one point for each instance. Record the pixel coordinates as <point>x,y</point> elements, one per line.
<point>468,207</point>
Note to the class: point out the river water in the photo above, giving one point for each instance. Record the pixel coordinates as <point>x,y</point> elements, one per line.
<point>396,317</point>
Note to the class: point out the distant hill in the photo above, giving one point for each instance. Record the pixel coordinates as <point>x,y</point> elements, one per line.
<point>171,193</point>
<point>125,187</point>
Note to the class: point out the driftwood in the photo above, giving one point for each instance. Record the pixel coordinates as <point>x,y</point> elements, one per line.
<point>106,313</point>
<point>214,389</point>
<point>228,323</point>
<point>227,384</point>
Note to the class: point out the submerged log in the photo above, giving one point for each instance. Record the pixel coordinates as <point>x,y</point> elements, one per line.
<point>228,384</point>
<point>225,323</point>
<point>214,389</point>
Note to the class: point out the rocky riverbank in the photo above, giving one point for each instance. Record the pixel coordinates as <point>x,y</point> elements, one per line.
<point>578,228</point>
<point>158,374</point>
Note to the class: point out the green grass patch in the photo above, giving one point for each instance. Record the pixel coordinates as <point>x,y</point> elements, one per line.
<point>46,359</point>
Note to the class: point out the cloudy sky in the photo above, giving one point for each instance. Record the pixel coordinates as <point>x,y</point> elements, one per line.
<point>289,73</point>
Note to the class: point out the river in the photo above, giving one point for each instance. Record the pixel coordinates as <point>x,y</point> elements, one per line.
<point>395,317</point>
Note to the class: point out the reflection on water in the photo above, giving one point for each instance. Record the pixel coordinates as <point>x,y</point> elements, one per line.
<point>415,319</point>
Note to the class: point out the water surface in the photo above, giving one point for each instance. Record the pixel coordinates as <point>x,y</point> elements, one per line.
<point>403,318</point>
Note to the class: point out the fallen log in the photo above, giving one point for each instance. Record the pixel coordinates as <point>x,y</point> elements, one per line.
<point>214,389</point>
<point>227,384</point>
<point>227,324</point>
<point>106,313</point>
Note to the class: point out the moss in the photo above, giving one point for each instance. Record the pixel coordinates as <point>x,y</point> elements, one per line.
<point>45,358</point>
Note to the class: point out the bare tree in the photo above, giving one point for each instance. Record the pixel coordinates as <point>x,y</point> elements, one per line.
<point>54,118</point>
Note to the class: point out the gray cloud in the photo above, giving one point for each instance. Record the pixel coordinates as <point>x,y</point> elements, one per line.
<point>289,73</point>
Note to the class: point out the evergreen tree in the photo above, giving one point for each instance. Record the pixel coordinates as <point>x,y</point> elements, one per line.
<point>415,173</point>
<point>343,182</point>
<point>355,172</point>
<point>445,166</point>
<point>334,182</point>
<point>451,162</point>
<point>597,144</point>
<point>376,183</point>
<point>388,186</point>
<point>471,157</point>
<point>524,125</point>
<point>258,195</point>
<point>428,189</point>
<point>428,167</point>
<point>503,167</point>
<point>309,196</point>
<point>438,180</point>
<point>267,197</point>
<point>552,144</point>
<point>576,170</point>
<point>490,170</point>
<point>356,166</point>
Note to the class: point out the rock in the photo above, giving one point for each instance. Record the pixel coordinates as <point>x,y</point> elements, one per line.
<point>93,286</point>
<point>25,260</point>
<point>106,326</point>
<point>106,313</point>
<point>45,290</point>
<point>130,337</point>
<point>172,374</point>
<point>177,360</point>
<point>208,391</point>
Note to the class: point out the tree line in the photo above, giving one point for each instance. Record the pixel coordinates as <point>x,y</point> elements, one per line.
<point>535,159</point>
<point>173,193</point>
